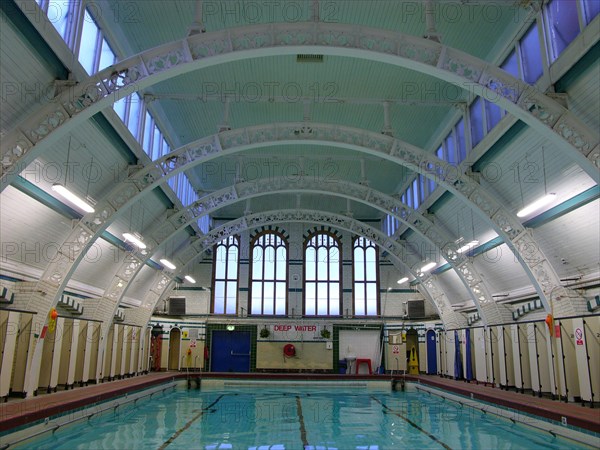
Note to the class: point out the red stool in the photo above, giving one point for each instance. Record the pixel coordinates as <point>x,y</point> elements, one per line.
<point>366,361</point>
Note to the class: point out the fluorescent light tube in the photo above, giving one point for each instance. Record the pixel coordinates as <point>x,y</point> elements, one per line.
<point>168,264</point>
<point>69,196</point>
<point>468,246</point>
<point>428,267</point>
<point>134,240</point>
<point>402,280</point>
<point>538,204</point>
<point>190,279</point>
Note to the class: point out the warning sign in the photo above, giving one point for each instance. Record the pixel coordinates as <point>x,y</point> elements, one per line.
<point>395,349</point>
<point>578,336</point>
<point>192,343</point>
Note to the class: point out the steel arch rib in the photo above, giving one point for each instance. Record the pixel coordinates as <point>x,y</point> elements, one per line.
<point>396,249</point>
<point>156,238</point>
<point>162,282</point>
<point>490,311</point>
<point>58,272</point>
<point>520,240</point>
<point>46,125</point>
<point>233,141</point>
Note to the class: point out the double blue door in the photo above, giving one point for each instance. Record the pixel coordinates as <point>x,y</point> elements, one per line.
<point>230,351</point>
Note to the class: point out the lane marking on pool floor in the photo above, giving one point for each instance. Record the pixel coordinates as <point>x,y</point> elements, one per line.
<point>301,419</point>
<point>190,422</point>
<point>410,422</point>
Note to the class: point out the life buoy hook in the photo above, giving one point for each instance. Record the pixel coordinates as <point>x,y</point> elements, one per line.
<point>289,350</point>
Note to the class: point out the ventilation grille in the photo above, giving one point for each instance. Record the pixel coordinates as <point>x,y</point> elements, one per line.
<point>177,306</point>
<point>416,309</point>
<point>309,58</point>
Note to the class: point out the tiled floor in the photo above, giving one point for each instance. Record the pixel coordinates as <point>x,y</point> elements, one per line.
<point>20,412</point>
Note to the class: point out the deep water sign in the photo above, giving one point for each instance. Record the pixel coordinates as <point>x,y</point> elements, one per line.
<point>296,331</point>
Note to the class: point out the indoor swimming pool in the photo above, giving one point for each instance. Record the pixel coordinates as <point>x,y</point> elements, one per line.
<point>278,417</point>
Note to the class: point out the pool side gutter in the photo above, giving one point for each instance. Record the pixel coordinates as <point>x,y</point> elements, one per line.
<point>31,410</point>
<point>514,415</point>
<point>555,414</point>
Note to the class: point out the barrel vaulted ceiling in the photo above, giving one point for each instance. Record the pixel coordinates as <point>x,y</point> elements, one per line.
<point>356,101</point>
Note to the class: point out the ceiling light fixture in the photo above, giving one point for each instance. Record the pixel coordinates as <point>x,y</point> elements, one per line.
<point>538,204</point>
<point>134,240</point>
<point>468,246</point>
<point>72,198</point>
<point>402,280</point>
<point>168,264</point>
<point>547,198</point>
<point>190,279</point>
<point>427,267</point>
<point>61,189</point>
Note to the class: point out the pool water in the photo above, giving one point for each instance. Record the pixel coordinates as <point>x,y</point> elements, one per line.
<point>265,418</point>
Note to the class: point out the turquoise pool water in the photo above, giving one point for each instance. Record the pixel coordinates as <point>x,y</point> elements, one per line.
<point>265,418</point>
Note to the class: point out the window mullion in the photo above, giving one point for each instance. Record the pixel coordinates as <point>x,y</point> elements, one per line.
<point>328,275</point>
<point>98,49</point>
<point>365,266</point>
<point>545,49</point>
<point>226,293</point>
<point>263,253</point>
<point>580,16</point>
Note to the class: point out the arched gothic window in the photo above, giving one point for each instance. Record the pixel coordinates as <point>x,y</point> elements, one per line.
<point>366,278</point>
<point>226,268</point>
<point>268,274</point>
<point>322,275</point>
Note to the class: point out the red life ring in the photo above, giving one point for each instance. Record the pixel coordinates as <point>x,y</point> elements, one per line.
<point>289,350</point>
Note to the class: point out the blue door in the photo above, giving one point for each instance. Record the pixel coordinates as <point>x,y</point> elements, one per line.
<point>431,353</point>
<point>469,363</point>
<point>230,351</point>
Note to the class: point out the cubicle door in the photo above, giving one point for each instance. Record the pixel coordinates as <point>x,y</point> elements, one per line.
<point>505,355</point>
<point>585,343</point>
<point>546,357</point>
<point>82,360</point>
<point>49,346</point>
<point>108,353</point>
<point>174,348</point>
<point>92,373</point>
<point>65,352</point>
<point>567,364</point>
<point>10,327</point>
<point>442,352</point>
<point>118,350</point>
<point>592,345</point>
<point>522,335</point>
<point>481,374</point>
<point>534,356</point>
<point>431,353</point>
<point>24,345</point>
